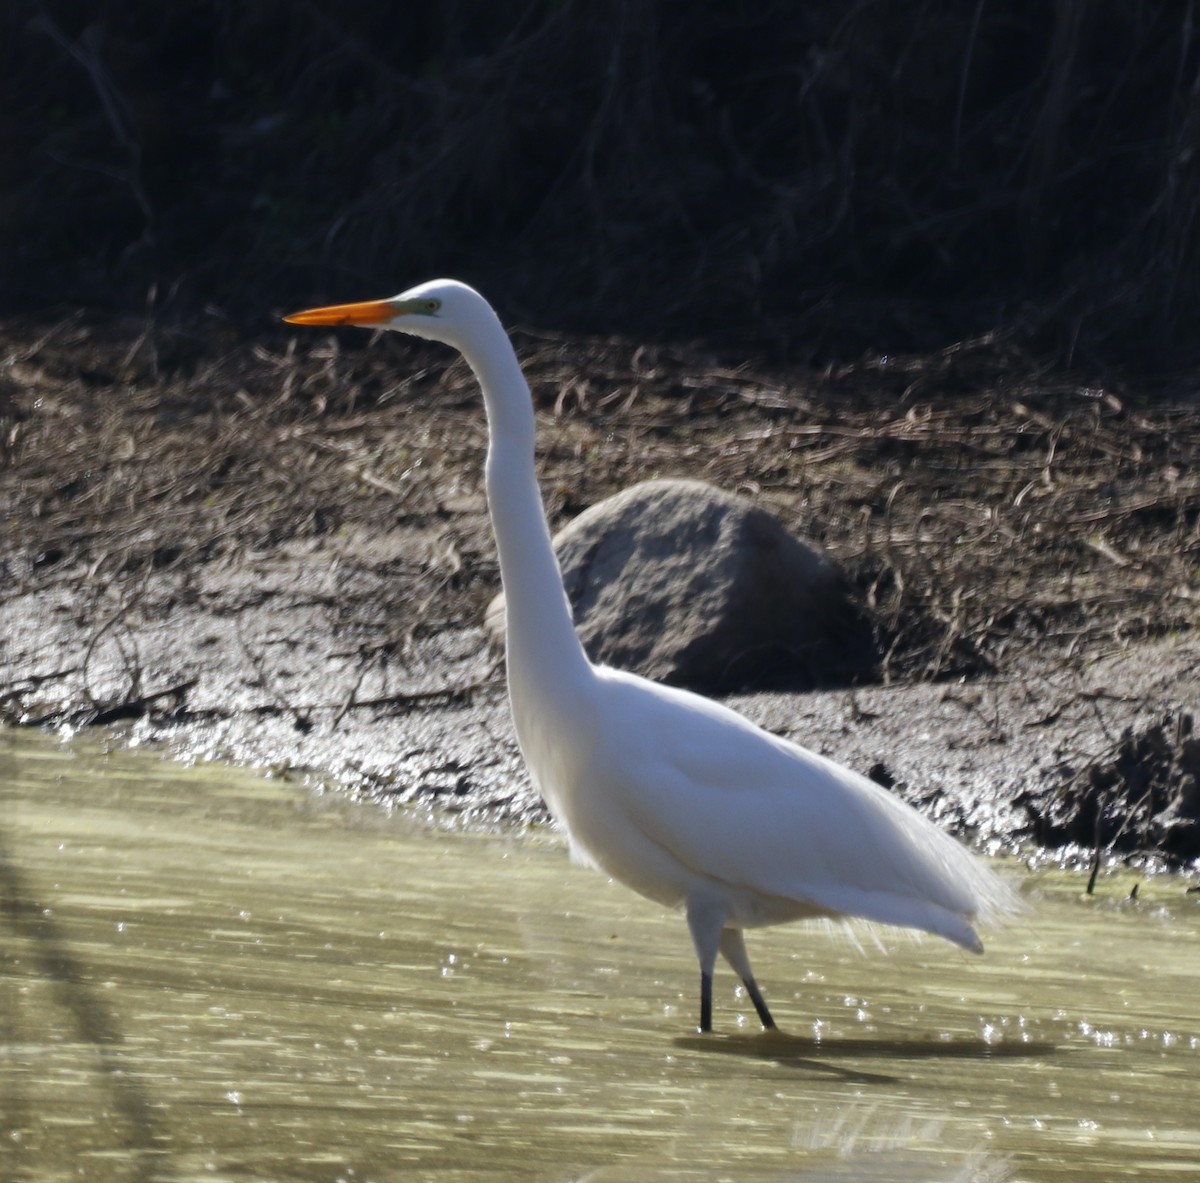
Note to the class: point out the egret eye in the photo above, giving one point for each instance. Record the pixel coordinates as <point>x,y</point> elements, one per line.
<point>432,307</point>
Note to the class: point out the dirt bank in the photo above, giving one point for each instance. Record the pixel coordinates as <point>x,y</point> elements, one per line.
<point>282,557</point>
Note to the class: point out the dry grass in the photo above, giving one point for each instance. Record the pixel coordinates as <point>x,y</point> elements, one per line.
<point>985,509</point>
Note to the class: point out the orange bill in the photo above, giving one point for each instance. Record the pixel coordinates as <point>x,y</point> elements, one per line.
<point>369,312</point>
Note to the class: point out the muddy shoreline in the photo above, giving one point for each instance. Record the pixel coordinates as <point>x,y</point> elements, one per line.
<point>282,559</point>
<point>272,685</point>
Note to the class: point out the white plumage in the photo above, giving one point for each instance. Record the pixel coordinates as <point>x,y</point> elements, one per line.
<point>676,796</point>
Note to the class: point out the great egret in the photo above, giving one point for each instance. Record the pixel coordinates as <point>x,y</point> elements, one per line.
<point>676,796</point>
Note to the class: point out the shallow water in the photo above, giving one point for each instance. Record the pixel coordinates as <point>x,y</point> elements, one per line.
<point>207,975</point>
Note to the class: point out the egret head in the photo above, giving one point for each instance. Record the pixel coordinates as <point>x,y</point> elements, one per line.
<point>440,310</point>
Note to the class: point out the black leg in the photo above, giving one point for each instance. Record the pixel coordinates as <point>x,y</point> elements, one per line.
<point>733,949</point>
<point>705,921</point>
<point>764,1015</point>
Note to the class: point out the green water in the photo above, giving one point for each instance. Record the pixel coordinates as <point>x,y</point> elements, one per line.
<point>207,975</point>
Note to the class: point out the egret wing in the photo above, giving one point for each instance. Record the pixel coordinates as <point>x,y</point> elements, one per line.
<point>757,813</point>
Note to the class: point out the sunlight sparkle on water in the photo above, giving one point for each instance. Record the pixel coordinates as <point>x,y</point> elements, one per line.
<point>208,973</point>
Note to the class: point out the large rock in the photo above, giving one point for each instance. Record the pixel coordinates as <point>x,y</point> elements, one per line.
<point>686,584</point>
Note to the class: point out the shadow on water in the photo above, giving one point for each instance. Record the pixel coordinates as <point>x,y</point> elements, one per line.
<point>825,1055</point>
<point>93,1023</point>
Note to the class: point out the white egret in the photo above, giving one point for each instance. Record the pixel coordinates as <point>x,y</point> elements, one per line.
<point>676,796</point>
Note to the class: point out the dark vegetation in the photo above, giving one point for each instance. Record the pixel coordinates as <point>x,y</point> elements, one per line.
<point>959,243</point>
<point>1142,795</point>
<point>816,178</point>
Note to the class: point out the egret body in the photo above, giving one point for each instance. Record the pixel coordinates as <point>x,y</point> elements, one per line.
<point>676,796</point>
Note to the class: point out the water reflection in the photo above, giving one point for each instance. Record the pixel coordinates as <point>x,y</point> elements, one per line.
<point>34,935</point>
<point>209,975</point>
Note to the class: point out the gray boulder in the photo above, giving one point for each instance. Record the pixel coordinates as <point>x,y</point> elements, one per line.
<point>686,584</point>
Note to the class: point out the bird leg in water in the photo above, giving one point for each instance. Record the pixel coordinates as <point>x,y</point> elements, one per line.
<point>706,921</point>
<point>709,934</point>
<point>733,949</point>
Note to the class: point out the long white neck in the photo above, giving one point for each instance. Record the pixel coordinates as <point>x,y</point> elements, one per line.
<point>547,667</point>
